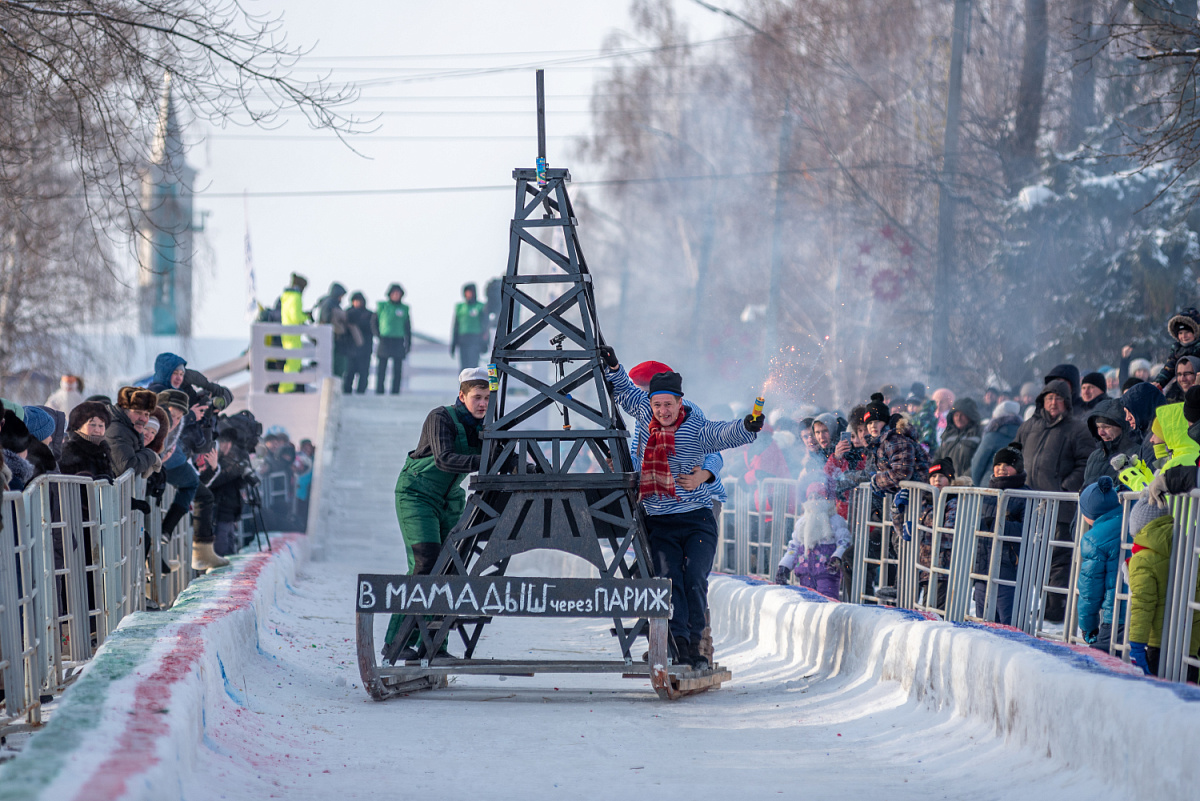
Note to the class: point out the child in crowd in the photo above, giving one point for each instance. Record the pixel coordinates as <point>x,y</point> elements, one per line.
<point>1100,560</point>
<point>819,539</point>
<point>1151,527</point>
<point>1184,328</point>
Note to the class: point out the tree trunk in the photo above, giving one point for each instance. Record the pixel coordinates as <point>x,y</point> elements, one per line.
<point>1083,72</point>
<point>1022,162</point>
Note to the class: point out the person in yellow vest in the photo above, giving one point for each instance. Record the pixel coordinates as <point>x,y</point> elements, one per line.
<point>468,334</point>
<point>291,312</point>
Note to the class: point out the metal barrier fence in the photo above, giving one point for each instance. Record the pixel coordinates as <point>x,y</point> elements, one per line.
<point>75,559</point>
<point>997,553</point>
<point>756,525</point>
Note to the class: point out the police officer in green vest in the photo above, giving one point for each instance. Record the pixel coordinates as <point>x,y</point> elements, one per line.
<point>469,333</point>
<point>429,494</point>
<point>393,326</point>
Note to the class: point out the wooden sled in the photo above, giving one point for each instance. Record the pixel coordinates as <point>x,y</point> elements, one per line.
<point>671,682</point>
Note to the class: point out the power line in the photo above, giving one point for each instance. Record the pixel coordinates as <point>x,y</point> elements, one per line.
<point>364,138</point>
<point>435,190</point>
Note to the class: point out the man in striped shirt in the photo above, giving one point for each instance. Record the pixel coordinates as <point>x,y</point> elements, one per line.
<point>679,521</point>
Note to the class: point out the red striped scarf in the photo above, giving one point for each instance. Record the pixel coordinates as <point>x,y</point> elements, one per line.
<point>656,469</point>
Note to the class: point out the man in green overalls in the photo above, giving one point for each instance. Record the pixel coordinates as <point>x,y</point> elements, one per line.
<point>469,333</point>
<point>429,494</point>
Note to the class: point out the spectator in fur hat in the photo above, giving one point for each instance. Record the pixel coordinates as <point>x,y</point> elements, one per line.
<point>86,452</point>
<point>124,434</point>
<point>1184,328</point>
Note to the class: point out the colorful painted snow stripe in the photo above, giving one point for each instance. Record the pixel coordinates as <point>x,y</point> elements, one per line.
<point>98,754</point>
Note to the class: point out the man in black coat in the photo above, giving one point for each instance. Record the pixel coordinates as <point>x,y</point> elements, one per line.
<point>1056,446</point>
<point>359,326</point>
<point>225,481</point>
<point>124,434</point>
<point>1113,435</point>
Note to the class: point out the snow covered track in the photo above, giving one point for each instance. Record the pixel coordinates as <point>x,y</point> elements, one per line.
<point>250,689</point>
<point>1050,700</point>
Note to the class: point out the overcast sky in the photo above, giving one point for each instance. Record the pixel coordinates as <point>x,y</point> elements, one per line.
<point>455,114</point>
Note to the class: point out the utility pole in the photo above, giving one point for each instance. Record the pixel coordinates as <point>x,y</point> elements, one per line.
<point>939,352</point>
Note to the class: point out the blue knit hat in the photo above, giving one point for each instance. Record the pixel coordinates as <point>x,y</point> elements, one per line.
<point>1098,498</point>
<point>39,423</point>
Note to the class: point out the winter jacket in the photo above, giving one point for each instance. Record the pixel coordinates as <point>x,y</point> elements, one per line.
<point>394,321</point>
<point>899,457</point>
<point>226,485</point>
<point>1129,443</point>
<point>1191,319</point>
<point>126,448</point>
<point>959,444</point>
<point>1055,451</point>
<point>20,471</point>
<point>996,434</point>
<point>82,457</point>
<point>926,423</point>
<point>1174,426</point>
<point>818,524</point>
<point>1100,560</point>
<point>164,365</point>
<point>1148,567</point>
<point>359,324</point>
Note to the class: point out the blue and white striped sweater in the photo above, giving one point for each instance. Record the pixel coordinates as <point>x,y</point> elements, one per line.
<point>713,462</point>
<point>697,438</point>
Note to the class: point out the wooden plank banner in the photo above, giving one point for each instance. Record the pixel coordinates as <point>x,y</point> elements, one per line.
<point>514,596</point>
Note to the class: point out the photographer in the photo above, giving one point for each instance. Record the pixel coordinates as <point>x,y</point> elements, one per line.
<point>225,480</point>
<point>171,372</point>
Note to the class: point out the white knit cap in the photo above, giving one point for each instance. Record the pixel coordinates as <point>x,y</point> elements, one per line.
<point>473,374</point>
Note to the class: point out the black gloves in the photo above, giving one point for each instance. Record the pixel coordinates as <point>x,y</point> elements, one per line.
<point>609,357</point>
<point>140,506</point>
<point>783,575</point>
<point>754,424</point>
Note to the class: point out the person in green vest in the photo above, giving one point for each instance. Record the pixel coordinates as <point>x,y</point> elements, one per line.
<point>291,312</point>
<point>393,326</point>
<point>429,494</point>
<point>469,332</point>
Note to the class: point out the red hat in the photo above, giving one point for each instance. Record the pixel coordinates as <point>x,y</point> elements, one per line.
<point>642,373</point>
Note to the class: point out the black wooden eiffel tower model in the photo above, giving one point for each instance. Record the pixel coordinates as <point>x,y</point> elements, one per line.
<point>568,488</point>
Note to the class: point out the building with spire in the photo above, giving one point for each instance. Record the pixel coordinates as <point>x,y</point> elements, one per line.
<point>165,235</point>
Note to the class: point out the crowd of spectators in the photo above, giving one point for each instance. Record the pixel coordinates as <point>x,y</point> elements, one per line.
<point>176,431</point>
<point>1131,427</point>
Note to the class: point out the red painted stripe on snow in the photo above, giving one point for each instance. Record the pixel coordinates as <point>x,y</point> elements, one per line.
<point>146,722</point>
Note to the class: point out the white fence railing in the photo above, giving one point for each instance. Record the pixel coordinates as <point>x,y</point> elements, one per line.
<point>972,554</point>
<point>75,559</point>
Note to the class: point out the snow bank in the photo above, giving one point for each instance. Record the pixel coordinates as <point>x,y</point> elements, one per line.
<point>132,724</point>
<point>1141,734</point>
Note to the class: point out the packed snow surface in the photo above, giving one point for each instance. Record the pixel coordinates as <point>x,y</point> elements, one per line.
<point>295,722</point>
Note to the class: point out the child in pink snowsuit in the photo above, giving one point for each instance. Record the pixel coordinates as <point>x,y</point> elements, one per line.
<point>815,553</point>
